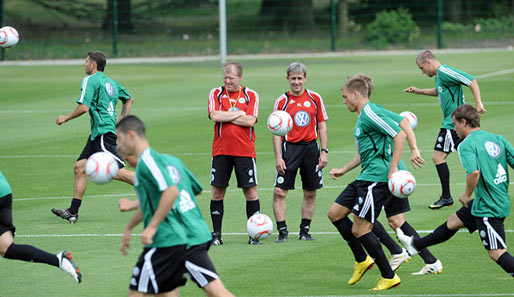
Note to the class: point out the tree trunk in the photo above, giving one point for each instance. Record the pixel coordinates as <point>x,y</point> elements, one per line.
<point>342,17</point>
<point>289,15</point>
<point>124,16</point>
<point>454,10</point>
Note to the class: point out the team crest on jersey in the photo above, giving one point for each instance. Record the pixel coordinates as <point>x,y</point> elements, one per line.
<point>493,149</point>
<point>307,104</point>
<point>302,118</point>
<point>357,131</point>
<point>439,89</point>
<point>174,174</point>
<point>241,100</point>
<point>109,89</point>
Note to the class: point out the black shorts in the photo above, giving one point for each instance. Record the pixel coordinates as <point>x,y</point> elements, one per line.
<point>303,155</point>
<point>159,270</point>
<point>6,214</point>
<point>368,198</point>
<point>447,141</point>
<point>199,266</point>
<point>221,170</point>
<point>394,205</point>
<point>464,214</point>
<point>102,143</point>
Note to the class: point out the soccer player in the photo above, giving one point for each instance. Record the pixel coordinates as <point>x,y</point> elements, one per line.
<point>394,208</point>
<point>99,96</point>
<point>234,110</point>
<point>158,175</point>
<point>485,157</point>
<point>448,89</point>
<point>23,252</point>
<point>380,142</point>
<point>299,150</point>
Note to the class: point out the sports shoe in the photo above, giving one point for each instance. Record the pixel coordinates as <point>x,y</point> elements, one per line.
<point>66,263</point>
<point>254,241</point>
<point>216,239</point>
<point>359,268</point>
<point>304,235</point>
<point>407,242</point>
<point>65,214</point>
<point>443,201</point>
<point>435,268</point>
<point>399,259</point>
<point>387,283</point>
<point>282,236</point>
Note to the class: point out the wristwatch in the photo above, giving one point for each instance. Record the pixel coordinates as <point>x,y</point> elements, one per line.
<point>324,150</point>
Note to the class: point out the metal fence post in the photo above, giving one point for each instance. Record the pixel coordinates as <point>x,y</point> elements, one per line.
<point>115,28</point>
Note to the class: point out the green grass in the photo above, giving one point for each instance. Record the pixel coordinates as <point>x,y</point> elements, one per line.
<point>37,157</point>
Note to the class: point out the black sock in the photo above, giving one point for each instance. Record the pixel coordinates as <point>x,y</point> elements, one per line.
<point>386,239</point>
<point>427,256</point>
<point>344,226</point>
<point>444,177</point>
<point>252,207</point>
<point>74,207</point>
<point>305,225</point>
<point>216,215</point>
<point>506,261</point>
<point>30,254</point>
<point>440,234</point>
<point>372,244</point>
<point>281,226</point>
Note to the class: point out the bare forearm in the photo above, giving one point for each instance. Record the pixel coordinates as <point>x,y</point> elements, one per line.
<point>471,182</point>
<point>277,146</point>
<point>245,121</point>
<point>126,108</point>
<point>135,220</point>
<point>225,116</point>
<point>323,134</point>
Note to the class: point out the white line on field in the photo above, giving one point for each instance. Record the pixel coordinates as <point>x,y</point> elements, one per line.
<point>498,73</point>
<point>418,295</point>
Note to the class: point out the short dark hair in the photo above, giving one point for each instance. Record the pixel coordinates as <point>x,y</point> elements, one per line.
<point>236,64</point>
<point>358,84</point>
<point>366,78</point>
<point>99,58</point>
<point>131,122</point>
<point>425,56</point>
<point>468,113</point>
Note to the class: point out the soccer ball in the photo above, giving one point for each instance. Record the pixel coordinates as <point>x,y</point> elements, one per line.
<point>280,123</point>
<point>101,167</point>
<point>8,37</point>
<point>411,118</point>
<point>259,226</point>
<point>402,183</point>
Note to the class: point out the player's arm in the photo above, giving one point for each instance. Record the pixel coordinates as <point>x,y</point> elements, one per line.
<point>245,121</point>
<point>475,90</point>
<point>127,204</point>
<point>168,198</point>
<point>471,183</point>
<point>509,152</point>
<point>77,112</point>
<point>280,164</point>
<point>323,138</point>
<point>415,158</point>
<point>427,92</point>
<point>338,172</point>
<point>399,144</point>
<point>134,221</point>
<point>225,116</point>
<point>126,108</point>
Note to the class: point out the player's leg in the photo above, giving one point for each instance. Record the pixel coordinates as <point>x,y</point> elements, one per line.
<point>492,236</point>
<point>308,207</point>
<point>399,255</point>
<point>246,174</point>
<point>312,180</point>
<point>221,169</point>
<point>252,207</point>
<point>445,143</point>
<point>279,210</point>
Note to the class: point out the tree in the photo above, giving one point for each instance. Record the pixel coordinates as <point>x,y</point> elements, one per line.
<point>290,15</point>
<point>342,16</point>
<point>124,16</point>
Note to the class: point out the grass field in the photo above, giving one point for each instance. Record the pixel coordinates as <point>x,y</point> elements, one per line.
<point>37,157</point>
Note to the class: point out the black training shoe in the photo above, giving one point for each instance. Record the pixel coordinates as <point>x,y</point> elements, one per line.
<point>304,235</point>
<point>65,214</point>
<point>443,201</point>
<point>254,241</point>
<point>216,239</point>
<point>282,236</point>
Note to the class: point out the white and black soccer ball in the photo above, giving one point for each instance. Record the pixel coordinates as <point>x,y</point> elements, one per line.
<point>101,167</point>
<point>8,37</point>
<point>402,183</point>
<point>411,118</point>
<point>259,226</point>
<point>280,123</point>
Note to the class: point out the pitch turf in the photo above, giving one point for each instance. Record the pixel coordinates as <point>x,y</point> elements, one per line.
<point>37,157</point>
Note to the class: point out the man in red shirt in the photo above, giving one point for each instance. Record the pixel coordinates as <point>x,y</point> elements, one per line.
<point>299,149</point>
<point>234,110</point>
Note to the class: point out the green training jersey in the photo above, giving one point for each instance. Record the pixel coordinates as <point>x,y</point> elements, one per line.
<point>5,189</point>
<point>373,133</point>
<point>490,154</point>
<point>101,93</point>
<point>186,205</point>
<point>154,176</point>
<point>448,85</point>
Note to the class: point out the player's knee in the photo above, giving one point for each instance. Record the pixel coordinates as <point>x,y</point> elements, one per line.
<point>279,194</point>
<point>79,168</point>
<point>496,254</point>
<point>334,215</point>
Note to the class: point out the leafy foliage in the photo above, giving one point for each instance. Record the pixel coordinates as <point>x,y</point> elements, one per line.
<point>392,27</point>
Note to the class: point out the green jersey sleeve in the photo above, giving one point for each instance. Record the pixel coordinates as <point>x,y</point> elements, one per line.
<point>87,91</point>
<point>123,94</point>
<point>379,120</point>
<point>195,184</point>
<point>451,76</point>
<point>467,157</point>
<point>509,152</point>
<point>5,189</point>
